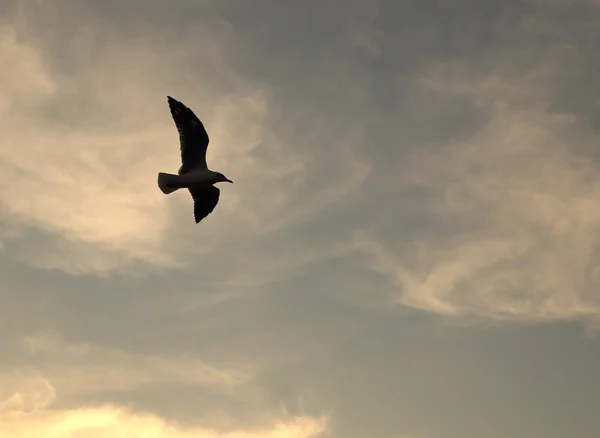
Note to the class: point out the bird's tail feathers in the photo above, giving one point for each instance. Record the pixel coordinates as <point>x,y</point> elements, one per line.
<point>168,182</point>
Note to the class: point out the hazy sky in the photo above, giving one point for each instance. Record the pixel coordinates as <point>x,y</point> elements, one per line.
<point>411,248</point>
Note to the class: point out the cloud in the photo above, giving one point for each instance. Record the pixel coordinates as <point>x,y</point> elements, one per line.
<point>93,140</point>
<point>517,197</point>
<point>24,392</point>
<point>83,367</point>
<point>59,179</point>
<point>114,421</point>
<point>82,148</point>
<point>48,391</point>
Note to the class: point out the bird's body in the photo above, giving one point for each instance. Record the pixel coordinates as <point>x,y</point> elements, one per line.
<point>194,178</point>
<point>193,174</point>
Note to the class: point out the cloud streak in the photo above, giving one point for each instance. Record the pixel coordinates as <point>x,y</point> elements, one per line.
<point>520,203</point>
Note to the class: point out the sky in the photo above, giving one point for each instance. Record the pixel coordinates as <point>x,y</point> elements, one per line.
<point>410,248</point>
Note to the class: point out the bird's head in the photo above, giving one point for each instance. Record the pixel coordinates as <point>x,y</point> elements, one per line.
<point>219,177</point>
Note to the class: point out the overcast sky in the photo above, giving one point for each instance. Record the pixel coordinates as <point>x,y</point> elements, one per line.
<point>411,248</point>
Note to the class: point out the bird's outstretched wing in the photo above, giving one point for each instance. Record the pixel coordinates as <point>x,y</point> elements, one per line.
<point>193,138</point>
<point>205,201</point>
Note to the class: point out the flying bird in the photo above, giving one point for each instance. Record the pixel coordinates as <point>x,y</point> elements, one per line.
<point>193,174</point>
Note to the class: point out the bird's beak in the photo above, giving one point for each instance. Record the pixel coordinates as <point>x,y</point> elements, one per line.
<point>229,181</point>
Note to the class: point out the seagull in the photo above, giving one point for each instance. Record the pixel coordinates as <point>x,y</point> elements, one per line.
<point>193,174</point>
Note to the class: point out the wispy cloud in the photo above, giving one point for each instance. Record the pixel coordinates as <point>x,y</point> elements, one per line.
<point>518,197</point>
<point>86,175</point>
<point>88,167</point>
<point>84,367</point>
